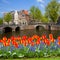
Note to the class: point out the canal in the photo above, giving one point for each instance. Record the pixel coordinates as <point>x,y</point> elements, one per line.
<point>30,33</point>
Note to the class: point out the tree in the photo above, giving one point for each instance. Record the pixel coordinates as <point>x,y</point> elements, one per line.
<point>38,14</point>
<point>44,19</point>
<point>8,17</point>
<point>52,10</point>
<point>35,13</point>
<point>1,21</point>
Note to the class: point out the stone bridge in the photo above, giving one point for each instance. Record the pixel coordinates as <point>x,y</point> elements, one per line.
<point>37,25</point>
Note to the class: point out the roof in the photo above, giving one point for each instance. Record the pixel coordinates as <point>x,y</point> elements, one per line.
<point>25,12</point>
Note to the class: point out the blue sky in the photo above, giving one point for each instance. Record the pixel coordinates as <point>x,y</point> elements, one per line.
<point>9,5</point>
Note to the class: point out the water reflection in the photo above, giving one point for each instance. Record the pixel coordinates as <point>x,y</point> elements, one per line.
<point>30,33</point>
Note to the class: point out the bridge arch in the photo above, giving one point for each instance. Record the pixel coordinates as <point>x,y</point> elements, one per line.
<point>17,28</point>
<point>40,27</point>
<point>7,29</point>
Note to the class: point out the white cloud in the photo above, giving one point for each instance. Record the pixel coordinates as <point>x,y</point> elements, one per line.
<point>42,5</point>
<point>42,1</point>
<point>1,12</point>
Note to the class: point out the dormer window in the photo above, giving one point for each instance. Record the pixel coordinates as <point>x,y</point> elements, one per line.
<point>23,15</point>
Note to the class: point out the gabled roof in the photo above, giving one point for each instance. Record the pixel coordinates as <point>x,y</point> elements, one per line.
<point>26,12</point>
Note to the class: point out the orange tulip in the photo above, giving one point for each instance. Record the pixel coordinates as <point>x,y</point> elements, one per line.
<point>7,44</point>
<point>58,43</point>
<point>52,40</point>
<point>4,38</point>
<point>21,42</point>
<point>4,43</point>
<point>50,36</point>
<point>25,44</point>
<point>18,38</point>
<point>35,37</point>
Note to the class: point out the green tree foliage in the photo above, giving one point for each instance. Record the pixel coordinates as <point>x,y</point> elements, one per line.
<point>1,21</point>
<point>52,10</point>
<point>8,17</point>
<point>44,19</point>
<point>59,10</point>
<point>35,13</point>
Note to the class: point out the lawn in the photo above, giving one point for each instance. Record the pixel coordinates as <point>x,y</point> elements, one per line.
<point>50,58</point>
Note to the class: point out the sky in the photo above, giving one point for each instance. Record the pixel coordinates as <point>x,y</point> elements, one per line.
<point>10,5</point>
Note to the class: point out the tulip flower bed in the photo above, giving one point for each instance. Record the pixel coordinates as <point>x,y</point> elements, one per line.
<point>35,46</point>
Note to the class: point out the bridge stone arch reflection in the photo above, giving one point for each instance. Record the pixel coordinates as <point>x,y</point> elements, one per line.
<point>17,28</point>
<point>40,28</point>
<point>7,29</point>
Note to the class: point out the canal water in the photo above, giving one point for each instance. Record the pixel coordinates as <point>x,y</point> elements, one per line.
<point>30,33</point>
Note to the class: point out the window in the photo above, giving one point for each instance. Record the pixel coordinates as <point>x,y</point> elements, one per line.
<point>23,15</point>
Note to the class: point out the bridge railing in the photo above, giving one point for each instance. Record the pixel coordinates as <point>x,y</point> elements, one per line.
<point>1,25</point>
<point>4,25</point>
<point>34,23</point>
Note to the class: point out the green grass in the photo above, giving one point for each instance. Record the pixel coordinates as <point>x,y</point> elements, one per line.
<point>51,58</point>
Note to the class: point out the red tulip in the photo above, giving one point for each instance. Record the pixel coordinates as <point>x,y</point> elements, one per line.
<point>12,38</point>
<point>24,37</point>
<point>32,44</point>
<point>9,40</point>
<point>43,36</point>
<point>58,38</point>
<point>15,44</point>
<point>37,42</point>
<point>39,39</point>
<point>47,42</point>
<point>29,40</point>
<point>0,41</point>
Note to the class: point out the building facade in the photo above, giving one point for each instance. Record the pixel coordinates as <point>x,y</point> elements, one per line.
<point>19,17</point>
